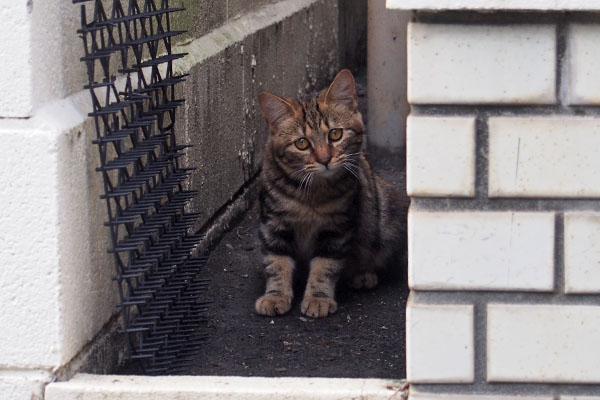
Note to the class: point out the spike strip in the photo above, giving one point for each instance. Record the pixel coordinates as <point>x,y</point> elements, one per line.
<point>158,280</point>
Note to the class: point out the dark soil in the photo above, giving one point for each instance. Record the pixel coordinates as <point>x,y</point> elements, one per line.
<point>365,338</point>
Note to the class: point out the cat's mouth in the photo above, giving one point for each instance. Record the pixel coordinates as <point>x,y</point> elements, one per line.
<point>327,171</point>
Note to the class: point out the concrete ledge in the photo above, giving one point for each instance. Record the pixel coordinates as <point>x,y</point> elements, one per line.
<point>540,5</point>
<point>107,387</point>
<point>234,32</point>
<point>23,385</point>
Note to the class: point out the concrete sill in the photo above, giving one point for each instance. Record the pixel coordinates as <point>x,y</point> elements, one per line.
<point>109,387</point>
<point>509,5</point>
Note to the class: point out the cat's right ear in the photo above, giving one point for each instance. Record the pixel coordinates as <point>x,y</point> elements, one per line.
<point>275,109</point>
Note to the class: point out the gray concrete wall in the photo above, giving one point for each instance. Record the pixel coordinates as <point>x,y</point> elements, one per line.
<point>203,16</point>
<point>353,35</point>
<point>291,48</point>
<point>386,75</point>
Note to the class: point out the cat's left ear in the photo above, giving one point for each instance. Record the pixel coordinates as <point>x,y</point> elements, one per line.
<point>275,109</point>
<point>342,91</point>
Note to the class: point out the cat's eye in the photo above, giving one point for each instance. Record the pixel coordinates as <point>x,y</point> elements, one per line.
<point>302,144</point>
<point>335,134</point>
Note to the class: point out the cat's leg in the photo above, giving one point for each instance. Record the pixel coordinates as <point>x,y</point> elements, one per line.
<point>364,280</point>
<point>320,289</point>
<point>278,296</point>
<point>360,272</point>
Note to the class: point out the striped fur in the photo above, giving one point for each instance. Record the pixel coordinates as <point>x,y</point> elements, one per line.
<point>322,208</point>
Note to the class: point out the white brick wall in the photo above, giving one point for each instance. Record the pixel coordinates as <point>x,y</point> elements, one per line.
<point>439,343</point>
<point>440,155</point>
<point>488,197</point>
<point>414,395</point>
<point>544,157</point>
<point>543,343</point>
<point>481,250</point>
<point>582,253</point>
<point>583,64</point>
<point>481,64</point>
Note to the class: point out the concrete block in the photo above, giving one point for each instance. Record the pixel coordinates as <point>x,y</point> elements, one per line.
<point>543,343</point>
<point>16,68</point>
<point>544,157</point>
<point>582,252</point>
<point>439,343</point>
<point>41,51</point>
<point>23,385</point>
<point>415,395</point>
<point>98,387</point>
<point>57,288</point>
<point>440,156</point>
<point>583,64</point>
<point>480,250</point>
<point>29,237</point>
<point>481,64</point>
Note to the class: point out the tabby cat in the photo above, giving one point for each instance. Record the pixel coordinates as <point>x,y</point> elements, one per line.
<point>322,206</point>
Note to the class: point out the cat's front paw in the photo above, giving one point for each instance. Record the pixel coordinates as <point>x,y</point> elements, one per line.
<point>364,280</point>
<point>273,304</point>
<point>318,307</point>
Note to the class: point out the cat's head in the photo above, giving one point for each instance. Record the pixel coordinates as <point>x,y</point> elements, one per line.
<point>322,135</point>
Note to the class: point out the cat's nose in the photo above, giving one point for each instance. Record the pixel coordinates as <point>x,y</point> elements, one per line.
<point>324,159</point>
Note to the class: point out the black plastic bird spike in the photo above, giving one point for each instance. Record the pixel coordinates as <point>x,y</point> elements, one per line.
<point>158,279</point>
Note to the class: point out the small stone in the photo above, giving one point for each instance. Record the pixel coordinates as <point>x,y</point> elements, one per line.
<point>272,322</point>
<point>302,319</point>
<point>281,369</point>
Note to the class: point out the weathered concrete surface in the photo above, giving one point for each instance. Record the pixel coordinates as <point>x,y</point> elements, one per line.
<point>289,48</point>
<point>91,387</point>
<point>388,107</point>
<point>203,16</point>
<point>353,34</point>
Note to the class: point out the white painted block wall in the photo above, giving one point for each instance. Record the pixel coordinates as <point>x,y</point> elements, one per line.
<point>56,292</point>
<point>503,150</point>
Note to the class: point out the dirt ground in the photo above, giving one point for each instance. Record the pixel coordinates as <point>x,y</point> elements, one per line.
<point>365,338</point>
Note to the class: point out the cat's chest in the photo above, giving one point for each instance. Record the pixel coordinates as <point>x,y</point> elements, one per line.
<point>308,221</point>
<point>305,235</point>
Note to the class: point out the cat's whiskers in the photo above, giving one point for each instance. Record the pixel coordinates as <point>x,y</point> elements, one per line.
<point>303,181</point>
<point>353,168</point>
<point>352,172</point>
<point>310,181</point>
<point>298,172</point>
